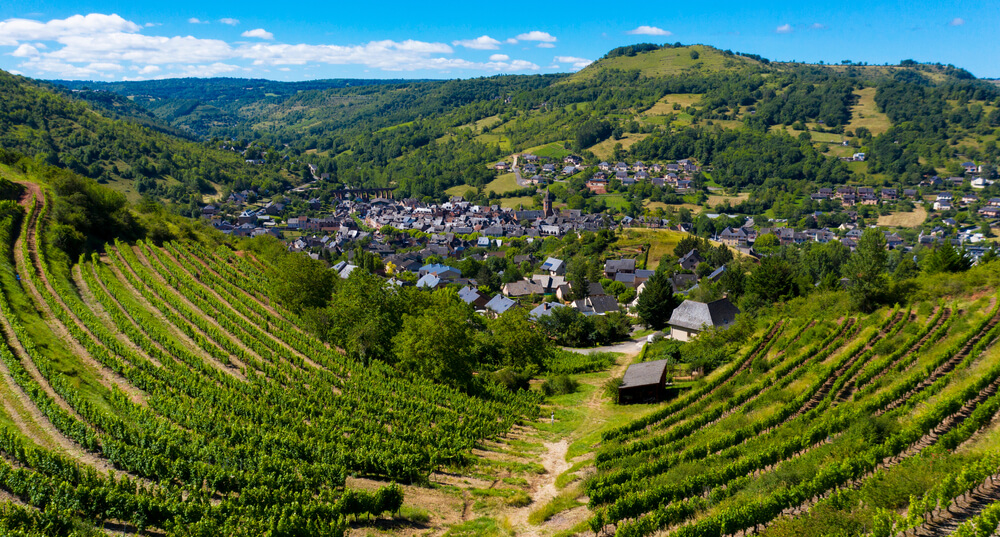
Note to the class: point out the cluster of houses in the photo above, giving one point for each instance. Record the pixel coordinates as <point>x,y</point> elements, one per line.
<point>678,175</point>
<point>540,170</point>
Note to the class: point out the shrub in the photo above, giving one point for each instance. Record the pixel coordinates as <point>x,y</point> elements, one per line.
<point>559,385</point>
<point>513,380</point>
<point>611,387</point>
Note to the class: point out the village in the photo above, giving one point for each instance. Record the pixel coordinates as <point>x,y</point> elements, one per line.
<point>433,245</point>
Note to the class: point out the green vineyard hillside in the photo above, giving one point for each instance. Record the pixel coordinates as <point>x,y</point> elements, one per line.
<point>861,425</point>
<point>161,389</point>
<point>158,387</point>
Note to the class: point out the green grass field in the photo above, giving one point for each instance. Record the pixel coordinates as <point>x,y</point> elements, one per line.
<point>866,114</point>
<point>667,62</point>
<point>555,150</point>
<point>614,200</point>
<point>666,105</point>
<point>604,149</point>
<point>527,202</point>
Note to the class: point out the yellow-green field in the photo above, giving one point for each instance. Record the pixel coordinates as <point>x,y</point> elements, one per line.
<point>604,149</point>
<point>715,199</point>
<point>458,190</point>
<point>865,113</point>
<point>666,105</point>
<point>910,219</point>
<point>527,202</point>
<point>503,183</point>
<point>556,150</point>
<point>492,138</point>
<point>666,62</point>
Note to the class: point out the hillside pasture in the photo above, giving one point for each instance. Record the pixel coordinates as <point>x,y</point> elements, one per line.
<point>667,62</point>
<point>604,149</point>
<point>666,105</point>
<point>554,150</point>
<point>865,113</point>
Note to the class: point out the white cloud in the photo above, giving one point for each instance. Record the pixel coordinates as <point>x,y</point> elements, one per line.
<point>143,49</point>
<point>196,20</point>
<point>214,69</point>
<point>389,55</point>
<point>25,51</point>
<point>818,26</point>
<point>104,66</point>
<point>152,24</point>
<point>649,30</point>
<point>784,29</point>
<point>12,31</point>
<point>231,22</point>
<point>98,46</point>
<point>576,63</point>
<point>957,21</point>
<point>536,35</point>
<point>483,42</point>
<point>510,41</point>
<point>546,45</point>
<point>259,33</point>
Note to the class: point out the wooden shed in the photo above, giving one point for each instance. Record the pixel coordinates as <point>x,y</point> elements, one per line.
<point>644,382</point>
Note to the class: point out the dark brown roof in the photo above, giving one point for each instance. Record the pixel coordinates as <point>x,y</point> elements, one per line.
<point>644,374</point>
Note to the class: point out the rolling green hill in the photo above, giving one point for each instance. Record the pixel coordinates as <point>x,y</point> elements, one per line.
<point>426,137</point>
<point>129,157</point>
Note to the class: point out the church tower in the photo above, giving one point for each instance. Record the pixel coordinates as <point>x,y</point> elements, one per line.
<point>547,203</point>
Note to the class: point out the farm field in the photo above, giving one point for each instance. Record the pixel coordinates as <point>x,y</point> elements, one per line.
<point>911,219</point>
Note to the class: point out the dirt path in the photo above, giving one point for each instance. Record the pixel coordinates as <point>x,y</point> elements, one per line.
<point>544,490</point>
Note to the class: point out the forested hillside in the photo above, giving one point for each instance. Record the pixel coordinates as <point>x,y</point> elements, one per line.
<point>638,102</point>
<point>132,158</point>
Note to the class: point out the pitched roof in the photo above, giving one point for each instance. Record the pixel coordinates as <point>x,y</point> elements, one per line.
<point>698,315</point>
<point>603,303</point>
<point>545,308</point>
<point>468,295</point>
<point>523,288</point>
<point>616,265</point>
<point>500,303</point>
<point>428,280</point>
<point>552,264</point>
<point>644,374</point>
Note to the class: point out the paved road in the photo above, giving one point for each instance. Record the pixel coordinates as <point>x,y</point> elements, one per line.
<point>631,346</point>
<point>517,176</point>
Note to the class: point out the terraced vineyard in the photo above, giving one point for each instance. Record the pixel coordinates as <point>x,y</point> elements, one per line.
<point>160,388</point>
<point>870,425</point>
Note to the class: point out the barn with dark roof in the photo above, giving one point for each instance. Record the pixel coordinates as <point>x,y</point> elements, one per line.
<point>644,383</point>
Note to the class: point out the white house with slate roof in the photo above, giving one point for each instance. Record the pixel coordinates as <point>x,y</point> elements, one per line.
<point>691,318</point>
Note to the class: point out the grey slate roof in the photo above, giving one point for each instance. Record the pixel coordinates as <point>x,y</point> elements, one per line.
<point>468,295</point>
<point>644,374</point>
<point>603,303</point>
<point>619,265</point>
<point>698,315</point>
<point>500,303</point>
<point>545,308</point>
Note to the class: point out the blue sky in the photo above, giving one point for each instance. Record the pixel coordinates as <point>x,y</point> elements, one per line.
<point>117,40</point>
